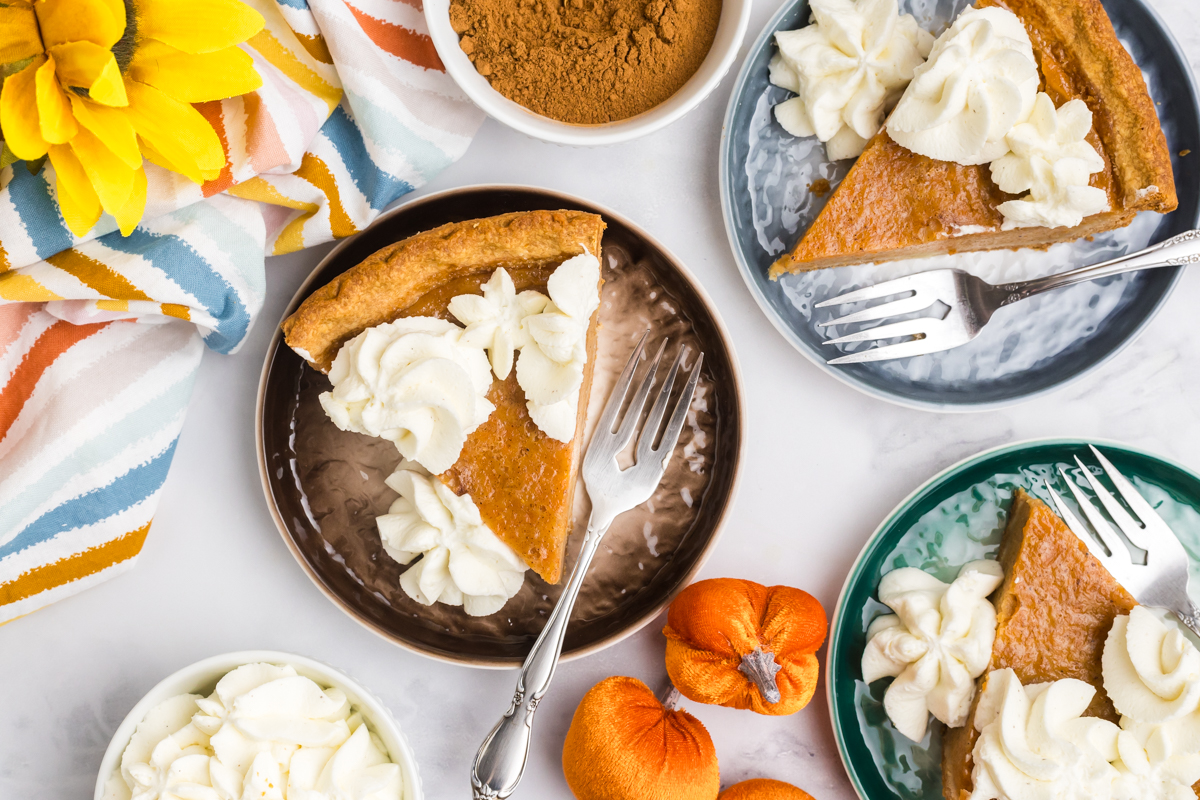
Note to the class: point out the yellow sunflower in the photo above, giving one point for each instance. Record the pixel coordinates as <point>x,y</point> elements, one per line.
<point>99,84</point>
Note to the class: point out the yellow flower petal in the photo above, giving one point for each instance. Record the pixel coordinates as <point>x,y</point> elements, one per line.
<point>178,133</point>
<point>198,26</point>
<point>19,37</point>
<point>92,67</point>
<point>54,111</point>
<point>19,115</point>
<point>194,78</point>
<point>111,126</point>
<point>99,21</point>
<point>130,214</point>
<point>76,197</point>
<point>111,177</point>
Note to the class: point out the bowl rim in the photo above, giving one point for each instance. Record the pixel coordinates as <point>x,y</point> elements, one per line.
<point>713,69</point>
<point>1191,88</point>
<point>372,708</point>
<point>736,472</point>
<point>839,609</point>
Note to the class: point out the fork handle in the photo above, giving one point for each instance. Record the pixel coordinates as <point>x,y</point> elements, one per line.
<point>500,762</point>
<point>1189,616</point>
<point>1178,251</point>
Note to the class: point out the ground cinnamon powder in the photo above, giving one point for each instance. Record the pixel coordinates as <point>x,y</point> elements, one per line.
<point>586,61</point>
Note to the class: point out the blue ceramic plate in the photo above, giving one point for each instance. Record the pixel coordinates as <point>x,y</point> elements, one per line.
<point>956,517</point>
<point>1029,348</point>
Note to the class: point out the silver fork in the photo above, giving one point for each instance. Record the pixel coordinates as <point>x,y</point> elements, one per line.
<point>501,759</point>
<point>1162,581</point>
<point>972,301</point>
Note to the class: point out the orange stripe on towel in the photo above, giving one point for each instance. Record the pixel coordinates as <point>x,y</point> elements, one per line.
<point>399,41</point>
<point>97,275</point>
<point>72,568</point>
<point>56,340</point>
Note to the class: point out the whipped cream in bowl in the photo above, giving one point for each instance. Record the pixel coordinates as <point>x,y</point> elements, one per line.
<point>938,641</point>
<point>980,81</point>
<point>260,724</point>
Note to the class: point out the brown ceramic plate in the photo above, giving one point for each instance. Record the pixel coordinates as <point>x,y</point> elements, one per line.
<point>325,486</point>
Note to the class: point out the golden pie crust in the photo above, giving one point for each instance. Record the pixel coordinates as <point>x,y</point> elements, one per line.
<point>522,480</point>
<point>895,204</point>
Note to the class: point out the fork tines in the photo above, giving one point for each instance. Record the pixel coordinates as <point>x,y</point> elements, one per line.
<point>924,334</point>
<point>1118,551</point>
<point>615,431</point>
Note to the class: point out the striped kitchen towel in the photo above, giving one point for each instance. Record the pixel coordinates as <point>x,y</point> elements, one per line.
<point>101,335</point>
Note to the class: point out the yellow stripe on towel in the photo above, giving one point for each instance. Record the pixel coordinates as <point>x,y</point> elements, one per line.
<point>286,62</point>
<point>72,568</point>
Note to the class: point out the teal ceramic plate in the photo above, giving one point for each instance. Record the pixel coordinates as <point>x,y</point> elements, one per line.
<point>956,517</point>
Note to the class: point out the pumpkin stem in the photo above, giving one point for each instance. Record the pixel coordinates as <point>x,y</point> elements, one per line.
<point>670,697</point>
<point>760,667</point>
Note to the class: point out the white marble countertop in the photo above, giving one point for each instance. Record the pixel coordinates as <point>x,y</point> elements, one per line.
<point>215,576</point>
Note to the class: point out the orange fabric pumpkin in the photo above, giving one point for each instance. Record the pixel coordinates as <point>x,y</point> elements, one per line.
<point>623,744</point>
<point>764,789</point>
<point>739,644</point>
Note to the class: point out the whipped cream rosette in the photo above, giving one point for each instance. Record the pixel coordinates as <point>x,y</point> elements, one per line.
<point>463,563</point>
<point>1152,675</point>
<point>1052,160</point>
<point>1151,672</point>
<point>1152,765</point>
<point>495,320</point>
<point>980,81</point>
<point>265,733</point>
<point>413,382</point>
<point>550,368</point>
<point>848,67</point>
<point>935,645</point>
<point>1035,744</point>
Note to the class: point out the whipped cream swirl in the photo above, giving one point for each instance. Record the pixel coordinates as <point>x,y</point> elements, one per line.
<point>848,67</point>
<point>1053,161</point>
<point>1151,673</point>
<point>463,562</point>
<point>167,756</point>
<point>979,82</point>
<point>550,367</point>
<point>415,383</point>
<point>1154,762</point>
<point>1034,743</point>
<point>495,320</point>
<point>935,645</point>
<point>265,733</point>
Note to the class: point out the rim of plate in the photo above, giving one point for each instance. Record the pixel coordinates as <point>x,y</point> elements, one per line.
<point>901,507</point>
<point>748,274</point>
<point>718,527</point>
<point>713,69</point>
<point>374,710</point>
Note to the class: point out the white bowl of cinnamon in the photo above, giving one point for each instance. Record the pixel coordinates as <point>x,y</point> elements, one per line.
<point>587,72</point>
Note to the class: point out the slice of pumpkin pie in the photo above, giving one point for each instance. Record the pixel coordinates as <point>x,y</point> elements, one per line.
<point>471,346</point>
<point>897,203</point>
<point>1053,611</point>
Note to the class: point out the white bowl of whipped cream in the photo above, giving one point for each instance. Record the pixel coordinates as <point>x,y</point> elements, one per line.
<point>273,724</point>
